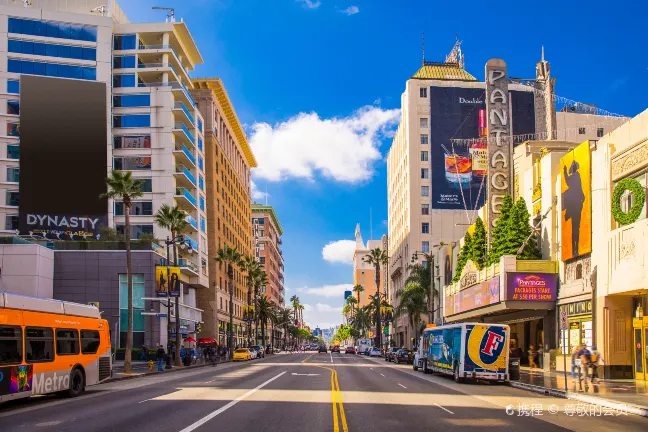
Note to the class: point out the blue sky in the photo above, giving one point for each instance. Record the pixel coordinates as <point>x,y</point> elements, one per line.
<point>318,84</point>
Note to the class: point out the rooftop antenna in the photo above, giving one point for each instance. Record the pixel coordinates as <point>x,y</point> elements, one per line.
<point>101,9</point>
<point>423,47</point>
<point>542,54</point>
<point>170,15</point>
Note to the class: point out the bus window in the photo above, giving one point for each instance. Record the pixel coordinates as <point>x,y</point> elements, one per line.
<point>39,344</point>
<point>67,342</point>
<point>10,345</point>
<point>89,341</point>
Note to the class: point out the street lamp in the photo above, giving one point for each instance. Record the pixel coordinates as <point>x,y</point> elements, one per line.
<point>177,240</point>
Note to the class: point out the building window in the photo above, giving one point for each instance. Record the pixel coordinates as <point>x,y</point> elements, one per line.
<point>67,342</point>
<point>579,271</point>
<point>53,29</point>
<point>200,163</point>
<point>13,174</point>
<point>425,209</point>
<point>51,50</point>
<point>425,191</point>
<point>39,344</point>
<point>260,221</point>
<point>138,307</point>
<point>137,230</point>
<point>425,173</point>
<point>13,198</point>
<point>11,222</point>
<point>131,142</point>
<point>132,163</point>
<point>261,260</point>
<point>203,266</point>
<point>201,182</point>
<point>581,130</point>
<point>425,228</point>
<point>129,101</point>
<point>11,345</point>
<point>423,92</point>
<point>201,199</point>
<point>13,107</point>
<point>423,122</point>
<point>13,129</point>
<point>13,86</point>
<point>147,186</point>
<point>261,246</point>
<point>138,208</point>
<point>134,120</point>
<point>13,151</point>
<point>203,224</point>
<point>124,62</point>
<point>424,139</point>
<point>424,156</point>
<point>51,69</point>
<point>124,80</point>
<point>600,132</point>
<point>124,42</point>
<point>425,246</point>
<point>200,144</point>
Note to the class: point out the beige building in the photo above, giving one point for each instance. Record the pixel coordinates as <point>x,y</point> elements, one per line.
<point>365,274</point>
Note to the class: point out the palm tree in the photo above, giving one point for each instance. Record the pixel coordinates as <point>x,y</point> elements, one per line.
<point>174,219</point>
<point>264,311</point>
<point>352,302</point>
<point>122,185</point>
<point>361,322</point>
<point>284,317</point>
<point>260,280</point>
<point>358,289</point>
<point>230,257</point>
<point>377,257</point>
<point>412,303</point>
<point>251,266</point>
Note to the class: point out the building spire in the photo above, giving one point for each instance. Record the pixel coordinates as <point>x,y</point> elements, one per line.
<point>423,47</point>
<point>542,54</point>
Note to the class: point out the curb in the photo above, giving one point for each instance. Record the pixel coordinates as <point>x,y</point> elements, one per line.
<point>166,371</point>
<point>625,407</point>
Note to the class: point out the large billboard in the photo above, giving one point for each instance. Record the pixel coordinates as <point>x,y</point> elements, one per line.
<point>458,143</point>
<point>576,199</point>
<point>63,157</point>
<point>531,287</point>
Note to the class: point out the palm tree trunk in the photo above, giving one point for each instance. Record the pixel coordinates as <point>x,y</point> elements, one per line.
<point>231,309</point>
<point>256,320</point>
<point>178,340</point>
<point>249,301</point>
<point>378,335</point>
<point>128,367</point>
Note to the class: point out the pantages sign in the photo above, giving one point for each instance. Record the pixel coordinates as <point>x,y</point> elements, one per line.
<point>499,142</point>
<point>61,226</point>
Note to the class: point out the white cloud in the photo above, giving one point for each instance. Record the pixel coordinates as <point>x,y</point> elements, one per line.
<point>340,251</point>
<point>327,290</point>
<point>310,4</point>
<point>351,10</point>
<point>342,149</point>
<point>323,315</point>
<point>257,194</point>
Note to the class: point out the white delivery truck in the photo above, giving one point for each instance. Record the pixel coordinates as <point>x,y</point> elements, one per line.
<point>363,344</point>
<point>465,350</point>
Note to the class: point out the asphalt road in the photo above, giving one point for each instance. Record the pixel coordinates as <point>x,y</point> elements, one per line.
<point>306,392</point>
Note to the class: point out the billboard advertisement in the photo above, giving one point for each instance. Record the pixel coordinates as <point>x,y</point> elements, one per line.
<point>63,144</point>
<point>576,202</point>
<point>531,286</point>
<point>483,294</point>
<point>486,348</point>
<point>165,278</point>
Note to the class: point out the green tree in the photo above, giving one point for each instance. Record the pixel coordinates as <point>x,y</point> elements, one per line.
<point>498,245</point>
<point>377,257</point>
<point>478,253</point>
<point>357,289</point>
<point>175,220</point>
<point>230,257</point>
<point>520,231</point>
<point>412,302</point>
<point>284,318</point>
<point>260,280</point>
<point>361,322</point>
<point>464,256</point>
<point>121,185</point>
<point>250,265</point>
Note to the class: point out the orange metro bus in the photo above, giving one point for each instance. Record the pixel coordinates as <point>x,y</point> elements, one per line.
<point>49,346</point>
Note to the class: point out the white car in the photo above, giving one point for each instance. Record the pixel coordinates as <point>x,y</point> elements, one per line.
<point>253,354</point>
<point>375,352</point>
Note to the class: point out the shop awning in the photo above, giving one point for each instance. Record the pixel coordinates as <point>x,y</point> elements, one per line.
<point>507,307</point>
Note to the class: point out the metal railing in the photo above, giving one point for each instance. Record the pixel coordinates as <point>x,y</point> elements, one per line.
<point>192,222</point>
<point>183,148</point>
<point>185,193</point>
<point>179,168</point>
<point>181,126</point>
<point>191,242</point>
<point>183,107</point>
<point>184,262</point>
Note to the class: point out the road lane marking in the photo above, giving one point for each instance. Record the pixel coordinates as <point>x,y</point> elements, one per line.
<point>211,381</point>
<point>298,374</point>
<point>371,368</point>
<point>382,374</point>
<point>402,385</point>
<point>345,428</point>
<point>336,400</point>
<point>444,409</point>
<point>208,417</point>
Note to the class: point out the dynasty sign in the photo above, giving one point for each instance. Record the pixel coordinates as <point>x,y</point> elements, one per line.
<point>61,226</point>
<point>499,143</point>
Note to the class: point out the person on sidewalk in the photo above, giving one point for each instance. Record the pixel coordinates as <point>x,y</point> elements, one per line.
<point>532,357</point>
<point>575,366</point>
<point>596,359</point>
<point>160,358</point>
<point>585,357</point>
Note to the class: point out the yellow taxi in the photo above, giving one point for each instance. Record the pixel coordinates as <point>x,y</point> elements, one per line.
<point>242,354</point>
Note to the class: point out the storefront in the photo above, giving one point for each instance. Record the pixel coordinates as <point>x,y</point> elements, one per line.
<point>579,329</point>
<point>640,338</point>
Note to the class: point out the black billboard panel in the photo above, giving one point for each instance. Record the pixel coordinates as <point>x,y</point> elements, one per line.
<point>63,154</point>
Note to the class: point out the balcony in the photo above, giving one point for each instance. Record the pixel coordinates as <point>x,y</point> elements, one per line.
<point>181,131</point>
<point>185,198</point>
<point>183,112</point>
<point>193,224</point>
<point>628,258</point>
<point>191,243</point>
<point>190,314</point>
<point>184,177</point>
<point>188,266</point>
<point>13,175</point>
<point>184,155</point>
<point>180,87</point>
<point>13,152</point>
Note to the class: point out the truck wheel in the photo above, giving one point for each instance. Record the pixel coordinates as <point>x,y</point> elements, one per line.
<point>425,368</point>
<point>77,383</point>
<point>457,378</point>
<point>415,367</point>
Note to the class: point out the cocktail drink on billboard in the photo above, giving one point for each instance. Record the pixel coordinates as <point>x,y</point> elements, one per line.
<point>458,169</point>
<point>479,150</point>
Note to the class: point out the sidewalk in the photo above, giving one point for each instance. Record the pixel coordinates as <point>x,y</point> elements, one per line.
<point>141,369</point>
<point>610,393</point>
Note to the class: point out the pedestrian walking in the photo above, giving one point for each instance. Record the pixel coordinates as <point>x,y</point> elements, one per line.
<point>532,357</point>
<point>575,360</point>
<point>585,357</point>
<point>596,359</point>
<point>160,358</point>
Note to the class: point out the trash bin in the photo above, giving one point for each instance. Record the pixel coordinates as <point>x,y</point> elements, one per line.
<point>514,368</point>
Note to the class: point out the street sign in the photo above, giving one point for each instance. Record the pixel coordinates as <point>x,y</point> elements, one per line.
<point>563,318</point>
<point>161,315</point>
<point>386,331</point>
<point>370,334</point>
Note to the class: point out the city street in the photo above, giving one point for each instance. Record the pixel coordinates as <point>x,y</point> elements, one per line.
<point>299,392</point>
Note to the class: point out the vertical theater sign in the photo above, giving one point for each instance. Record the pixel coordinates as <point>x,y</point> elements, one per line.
<point>499,142</point>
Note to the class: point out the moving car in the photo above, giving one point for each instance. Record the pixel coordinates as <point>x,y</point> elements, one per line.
<point>390,354</point>
<point>336,348</point>
<point>313,347</point>
<point>241,354</point>
<point>253,353</point>
<point>350,350</point>
<point>404,356</point>
<point>363,344</point>
<point>261,351</point>
<point>374,352</point>
<point>322,349</point>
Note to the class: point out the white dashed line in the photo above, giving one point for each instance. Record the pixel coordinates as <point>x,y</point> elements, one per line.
<point>382,374</point>
<point>402,385</point>
<point>444,409</point>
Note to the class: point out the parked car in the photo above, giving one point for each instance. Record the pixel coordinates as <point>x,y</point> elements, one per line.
<point>241,354</point>
<point>313,347</point>
<point>350,350</point>
<point>404,356</point>
<point>374,352</point>
<point>260,351</point>
<point>322,349</point>
<point>253,353</point>
<point>336,348</point>
<point>390,354</point>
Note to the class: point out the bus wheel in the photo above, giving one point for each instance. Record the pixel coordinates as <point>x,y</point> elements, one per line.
<point>77,383</point>
<point>457,378</point>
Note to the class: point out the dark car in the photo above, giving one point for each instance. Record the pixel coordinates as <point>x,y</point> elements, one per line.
<point>260,351</point>
<point>322,349</point>
<point>390,354</point>
<point>404,356</point>
<point>336,348</point>
<point>350,350</point>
